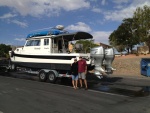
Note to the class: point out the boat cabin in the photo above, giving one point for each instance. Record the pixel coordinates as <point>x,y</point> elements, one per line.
<point>53,43</point>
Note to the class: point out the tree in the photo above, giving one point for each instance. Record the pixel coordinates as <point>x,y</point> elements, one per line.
<point>4,50</point>
<point>131,38</point>
<point>117,39</point>
<point>141,20</point>
<point>133,31</point>
<point>87,44</point>
<point>124,37</point>
<point>113,39</point>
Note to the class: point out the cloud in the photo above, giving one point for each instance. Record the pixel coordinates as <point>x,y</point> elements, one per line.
<point>80,26</point>
<point>101,36</point>
<point>41,7</point>
<point>7,16</point>
<point>22,24</point>
<point>119,7</point>
<point>97,10</point>
<point>127,12</point>
<point>121,1</point>
<point>103,2</point>
<point>120,15</point>
<point>20,39</point>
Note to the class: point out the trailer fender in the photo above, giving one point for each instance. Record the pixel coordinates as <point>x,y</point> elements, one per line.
<point>56,73</point>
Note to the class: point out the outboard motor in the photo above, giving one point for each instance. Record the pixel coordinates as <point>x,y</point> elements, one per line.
<point>109,57</point>
<point>97,56</point>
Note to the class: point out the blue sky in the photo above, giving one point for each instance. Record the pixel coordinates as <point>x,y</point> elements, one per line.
<point>100,18</point>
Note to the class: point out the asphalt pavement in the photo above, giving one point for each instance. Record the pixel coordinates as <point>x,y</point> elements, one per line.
<point>23,93</point>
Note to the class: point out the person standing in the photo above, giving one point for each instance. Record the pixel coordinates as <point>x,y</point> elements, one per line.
<point>82,70</point>
<point>74,71</point>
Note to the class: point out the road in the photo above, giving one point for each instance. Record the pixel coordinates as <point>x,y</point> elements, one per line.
<point>111,95</point>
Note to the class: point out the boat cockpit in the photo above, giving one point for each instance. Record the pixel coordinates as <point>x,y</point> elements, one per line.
<point>63,43</point>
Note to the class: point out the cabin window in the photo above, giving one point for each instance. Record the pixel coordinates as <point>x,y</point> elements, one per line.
<point>46,41</point>
<point>33,43</point>
<point>37,42</point>
<point>29,43</point>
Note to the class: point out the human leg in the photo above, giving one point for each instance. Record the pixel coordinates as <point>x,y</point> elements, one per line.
<point>85,82</point>
<point>84,79</point>
<point>73,81</point>
<point>80,82</point>
<point>80,79</point>
<point>76,81</point>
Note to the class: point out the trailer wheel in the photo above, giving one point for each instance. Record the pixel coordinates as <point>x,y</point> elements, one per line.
<point>42,76</point>
<point>51,77</point>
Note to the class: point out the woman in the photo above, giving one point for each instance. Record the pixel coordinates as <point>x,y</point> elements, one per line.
<point>74,71</point>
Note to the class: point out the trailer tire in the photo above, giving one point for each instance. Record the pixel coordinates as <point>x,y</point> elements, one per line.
<point>42,76</point>
<point>51,77</point>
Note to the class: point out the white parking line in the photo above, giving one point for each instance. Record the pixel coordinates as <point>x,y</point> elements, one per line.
<point>107,93</point>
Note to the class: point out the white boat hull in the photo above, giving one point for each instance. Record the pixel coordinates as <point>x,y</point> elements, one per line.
<point>53,61</point>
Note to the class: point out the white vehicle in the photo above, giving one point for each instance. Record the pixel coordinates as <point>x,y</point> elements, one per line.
<point>48,52</point>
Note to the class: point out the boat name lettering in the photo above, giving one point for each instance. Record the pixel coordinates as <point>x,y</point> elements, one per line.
<point>46,48</point>
<point>37,48</point>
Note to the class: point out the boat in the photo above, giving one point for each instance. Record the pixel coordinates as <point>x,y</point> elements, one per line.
<point>50,50</point>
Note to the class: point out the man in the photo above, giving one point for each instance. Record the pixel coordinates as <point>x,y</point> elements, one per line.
<point>82,70</point>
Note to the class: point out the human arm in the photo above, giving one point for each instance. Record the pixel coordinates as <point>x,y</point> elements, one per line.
<point>71,68</point>
<point>85,67</point>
